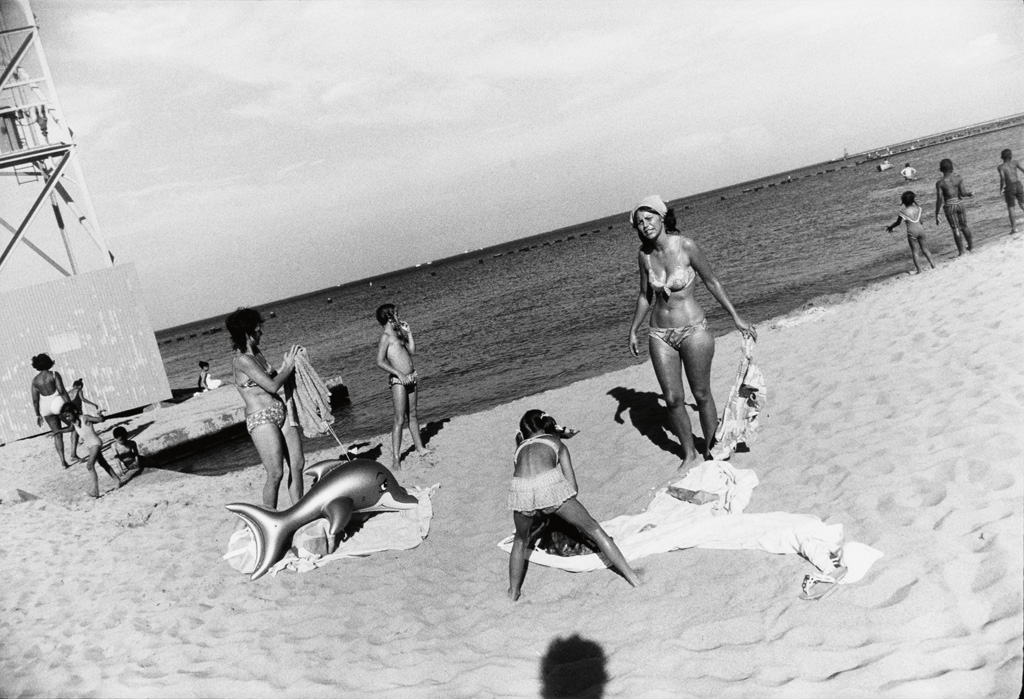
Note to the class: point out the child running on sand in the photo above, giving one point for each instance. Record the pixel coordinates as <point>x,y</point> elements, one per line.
<point>83,425</point>
<point>1010,187</point>
<point>394,355</point>
<point>949,190</point>
<point>126,451</point>
<point>545,483</point>
<point>911,213</point>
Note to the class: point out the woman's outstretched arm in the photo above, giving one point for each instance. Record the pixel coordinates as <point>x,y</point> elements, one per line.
<point>700,263</point>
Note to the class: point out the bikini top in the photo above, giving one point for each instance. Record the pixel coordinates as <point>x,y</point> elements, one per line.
<point>537,439</point>
<point>911,220</point>
<point>679,280</point>
<point>249,383</point>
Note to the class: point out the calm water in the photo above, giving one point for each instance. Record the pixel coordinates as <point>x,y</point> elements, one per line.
<point>537,314</point>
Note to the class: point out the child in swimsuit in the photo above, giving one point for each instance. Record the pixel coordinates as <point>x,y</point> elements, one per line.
<point>394,355</point>
<point>910,213</point>
<point>949,193</point>
<point>1010,187</point>
<point>544,483</point>
<point>126,451</point>
<point>83,425</point>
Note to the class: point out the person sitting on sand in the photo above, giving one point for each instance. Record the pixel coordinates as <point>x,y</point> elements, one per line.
<point>48,398</point>
<point>271,424</point>
<point>1010,187</point>
<point>394,355</point>
<point>911,213</point>
<point>83,425</point>
<point>949,193</point>
<point>206,382</point>
<point>126,451</point>
<point>544,483</point>
<point>679,337</point>
<point>908,172</point>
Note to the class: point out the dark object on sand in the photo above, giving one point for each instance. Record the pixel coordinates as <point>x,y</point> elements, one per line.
<point>559,538</point>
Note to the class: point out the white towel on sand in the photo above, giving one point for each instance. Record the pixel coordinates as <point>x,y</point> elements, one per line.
<point>668,524</point>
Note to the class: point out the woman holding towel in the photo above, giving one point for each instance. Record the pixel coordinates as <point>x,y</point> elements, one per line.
<point>679,341</point>
<point>270,421</point>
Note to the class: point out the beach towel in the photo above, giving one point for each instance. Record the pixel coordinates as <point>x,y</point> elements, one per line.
<point>312,547</point>
<point>669,524</point>
<point>747,400</point>
<point>311,398</point>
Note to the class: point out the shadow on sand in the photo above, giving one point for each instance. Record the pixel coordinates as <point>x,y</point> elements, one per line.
<point>573,667</point>
<point>427,432</point>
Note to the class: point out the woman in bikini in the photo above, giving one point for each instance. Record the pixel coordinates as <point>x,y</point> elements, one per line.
<point>679,338</point>
<point>48,397</point>
<point>271,421</point>
<point>910,213</point>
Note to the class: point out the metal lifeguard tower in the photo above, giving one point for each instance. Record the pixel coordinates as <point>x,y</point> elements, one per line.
<point>60,290</point>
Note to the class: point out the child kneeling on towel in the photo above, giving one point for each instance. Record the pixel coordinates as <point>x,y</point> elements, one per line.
<point>544,483</point>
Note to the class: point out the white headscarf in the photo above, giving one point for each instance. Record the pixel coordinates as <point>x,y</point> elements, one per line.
<point>653,202</point>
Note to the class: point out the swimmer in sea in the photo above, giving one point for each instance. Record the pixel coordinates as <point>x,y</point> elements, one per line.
<point>910,213</point>
<point>1010,187</point>
<point>679,341</point>
<point>394,355</point>
<point>949,194</point>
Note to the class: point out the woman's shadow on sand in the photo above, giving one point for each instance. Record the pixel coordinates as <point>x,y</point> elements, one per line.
<point>650,418</point>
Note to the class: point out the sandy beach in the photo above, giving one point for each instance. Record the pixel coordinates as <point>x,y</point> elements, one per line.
<point>897,412</point>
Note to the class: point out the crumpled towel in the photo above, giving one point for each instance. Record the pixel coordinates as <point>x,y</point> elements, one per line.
<point>313,547</point>
<point>747,400</point>
<point>311,398</point>
<point>669,524</point>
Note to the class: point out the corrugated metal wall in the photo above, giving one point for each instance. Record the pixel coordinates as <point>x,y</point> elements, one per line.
<point>95,327</point>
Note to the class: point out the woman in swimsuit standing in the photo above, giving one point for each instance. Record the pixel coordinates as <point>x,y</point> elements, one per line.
<point>679,337</point>
<point>48,397</point>
<point>270,421</point>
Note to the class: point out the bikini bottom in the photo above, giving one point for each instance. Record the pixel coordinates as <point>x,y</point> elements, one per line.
<point>393,381</point>
<point>678,335</point>
<point>271,415</point>
<point>545,492</point>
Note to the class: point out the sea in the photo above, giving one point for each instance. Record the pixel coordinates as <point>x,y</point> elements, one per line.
<point>543,312</point>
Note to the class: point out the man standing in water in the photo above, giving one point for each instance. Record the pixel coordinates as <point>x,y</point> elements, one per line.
<point>949,193</point>
<point>908,172</point>
<point>1010,187</point>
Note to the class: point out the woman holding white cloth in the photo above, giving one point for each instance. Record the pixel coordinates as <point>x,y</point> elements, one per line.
<point>679,339</point>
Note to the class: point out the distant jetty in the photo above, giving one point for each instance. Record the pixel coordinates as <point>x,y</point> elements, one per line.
<point>945,136</point>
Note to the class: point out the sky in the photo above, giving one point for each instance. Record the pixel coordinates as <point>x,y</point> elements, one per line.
<point>242,152</point>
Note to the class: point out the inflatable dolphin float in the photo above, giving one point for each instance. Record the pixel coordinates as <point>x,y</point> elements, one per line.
<point>340,489</point>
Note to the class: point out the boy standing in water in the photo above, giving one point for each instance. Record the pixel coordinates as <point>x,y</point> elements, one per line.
<point>394,355</point>
<point>949,191</point>
<point>1010,187</point>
